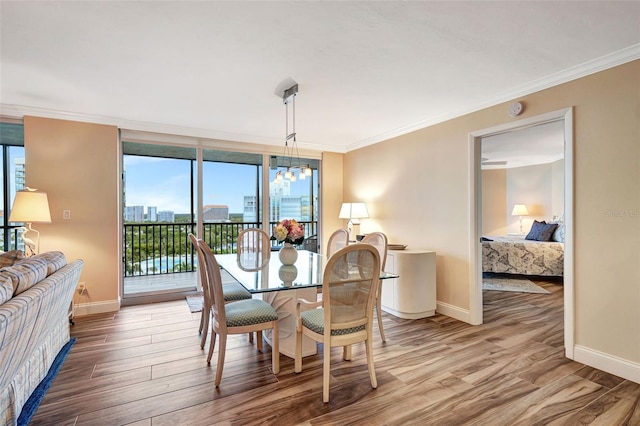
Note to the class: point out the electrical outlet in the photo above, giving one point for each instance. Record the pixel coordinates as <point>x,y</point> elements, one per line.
<point>82,287</point>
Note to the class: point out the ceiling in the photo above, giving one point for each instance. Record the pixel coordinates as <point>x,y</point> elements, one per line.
<point>367,71</point>
<point>538,144</point>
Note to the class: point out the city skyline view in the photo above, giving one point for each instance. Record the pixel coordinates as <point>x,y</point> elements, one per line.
<point>166,184</point>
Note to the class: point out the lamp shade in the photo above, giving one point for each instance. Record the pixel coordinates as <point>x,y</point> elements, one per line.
<point>520,210</point>
<point>353,211</point>
<point>30,206</point>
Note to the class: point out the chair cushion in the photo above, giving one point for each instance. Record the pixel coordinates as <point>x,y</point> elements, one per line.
<point>249,312</point>
<point>234,292</point>
<point>314,321</point>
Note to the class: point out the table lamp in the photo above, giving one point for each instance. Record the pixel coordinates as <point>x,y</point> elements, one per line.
<point>354,212</point>
<point>30,206</point>
<point>520,210</point>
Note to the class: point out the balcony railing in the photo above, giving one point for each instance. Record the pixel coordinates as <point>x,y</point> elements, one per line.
<point>165,248</point>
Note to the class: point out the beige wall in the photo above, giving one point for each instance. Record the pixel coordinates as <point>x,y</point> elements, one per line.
<point>331,187</point>
<point>418,185</point>
<point>494,202</point>
<point>531,186</point>
<point>557,188</point>
<point>76,164</point>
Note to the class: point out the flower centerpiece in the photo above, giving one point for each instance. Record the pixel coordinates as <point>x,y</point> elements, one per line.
<point>290,232</point>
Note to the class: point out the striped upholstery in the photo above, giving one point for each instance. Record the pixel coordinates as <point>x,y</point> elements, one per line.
<point>8,258</point>
<point>54,259</point>
<point>249,312</point>
<point>6,289</point>
<point>25,274</point>
<point>34,326</point>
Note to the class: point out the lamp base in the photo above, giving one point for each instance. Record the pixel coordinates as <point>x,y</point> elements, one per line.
<point>30,246</point>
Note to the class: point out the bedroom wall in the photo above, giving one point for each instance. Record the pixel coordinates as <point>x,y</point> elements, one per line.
<point>557,188</point>
<point>494,202</point>
<point>531,186</point>
<point>417,188</point>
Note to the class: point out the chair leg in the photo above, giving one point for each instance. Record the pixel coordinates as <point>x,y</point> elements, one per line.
<point>259,340</point>
<point>379,310</point>
<point>346,353</point>
<point>326,365</point>
<point>205,326</point>
<point>212,346</point>
<point>372,368</point>
<point>275,349</point>
<point>221,351</point>
<point>297,366</point>
<point>200,328</point>
<point>379,314</point>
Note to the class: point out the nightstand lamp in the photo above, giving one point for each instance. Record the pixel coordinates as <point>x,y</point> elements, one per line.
<point>354,212</point>
<point>30,206</point>
<point>520,210</point>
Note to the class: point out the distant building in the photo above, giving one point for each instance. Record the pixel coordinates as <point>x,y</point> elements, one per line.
<point>166,216</point>
<point>152,214</point>
<point>134,214</point>
<point>19,173</point>
<point>215,213</point>
<point>250,209</point>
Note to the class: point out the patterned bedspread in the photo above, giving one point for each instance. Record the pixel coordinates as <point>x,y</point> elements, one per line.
<point>515,255</point>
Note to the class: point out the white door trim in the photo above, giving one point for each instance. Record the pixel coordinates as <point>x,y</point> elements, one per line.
<point>475,217</point>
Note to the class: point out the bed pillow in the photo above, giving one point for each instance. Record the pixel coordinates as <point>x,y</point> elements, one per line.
<point>558,235</point>
<point>541,231</point>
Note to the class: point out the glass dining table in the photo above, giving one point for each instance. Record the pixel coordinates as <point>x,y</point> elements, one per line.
<point>281,286</point>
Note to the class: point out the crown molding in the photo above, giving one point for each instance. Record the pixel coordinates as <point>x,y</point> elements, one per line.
<point>614,59</point>
<point>20,111</point>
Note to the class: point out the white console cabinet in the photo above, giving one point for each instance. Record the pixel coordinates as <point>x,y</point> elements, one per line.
<point>413,294</point>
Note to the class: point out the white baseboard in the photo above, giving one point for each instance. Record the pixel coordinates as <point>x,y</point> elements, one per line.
<point>453,312</point>
<point>617,366</point>
<point>82,309</point>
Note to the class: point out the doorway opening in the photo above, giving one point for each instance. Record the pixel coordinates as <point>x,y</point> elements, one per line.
<point>565,119</point>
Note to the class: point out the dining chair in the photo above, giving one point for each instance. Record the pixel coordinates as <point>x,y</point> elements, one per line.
<point>232,292</point>
<point>337,240</point>
<point>344,316</point>
<point>254,249</point>
<point>379,241</point>
<point>243,316</point>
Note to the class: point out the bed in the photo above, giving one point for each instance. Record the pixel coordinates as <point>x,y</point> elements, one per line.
<point>516,255</point>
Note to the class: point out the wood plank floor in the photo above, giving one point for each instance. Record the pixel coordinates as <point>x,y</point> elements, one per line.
<point>144,366</point>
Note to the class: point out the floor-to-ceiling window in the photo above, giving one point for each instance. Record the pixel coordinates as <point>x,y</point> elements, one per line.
<point>169,191</point>
<point>12,165</point>
<point>158,215</point>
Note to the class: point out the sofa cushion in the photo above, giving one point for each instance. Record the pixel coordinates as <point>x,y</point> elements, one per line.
<point>55,260</point>
<point>25,274</point>
<point>8,258</point>
<point>6,289</point>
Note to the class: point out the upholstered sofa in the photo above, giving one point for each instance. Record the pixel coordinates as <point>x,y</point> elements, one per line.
<point>35,295</point>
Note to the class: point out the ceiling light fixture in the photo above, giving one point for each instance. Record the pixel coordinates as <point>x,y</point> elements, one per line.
<point>290,146</point>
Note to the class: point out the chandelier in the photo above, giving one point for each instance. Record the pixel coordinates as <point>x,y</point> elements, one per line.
<point>291,155</point>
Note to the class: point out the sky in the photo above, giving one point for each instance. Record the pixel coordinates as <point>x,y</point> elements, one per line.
<point>165,184</point>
